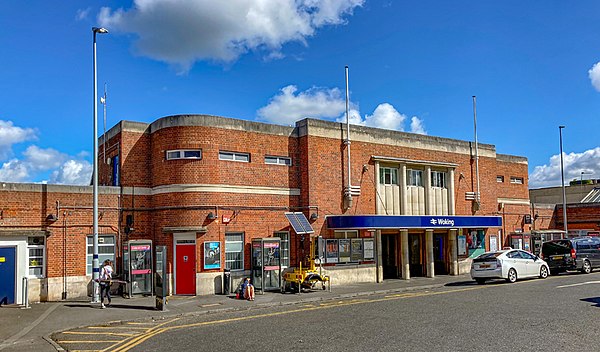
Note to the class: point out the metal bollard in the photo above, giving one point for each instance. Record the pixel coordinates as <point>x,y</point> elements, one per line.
<point>25,301</point>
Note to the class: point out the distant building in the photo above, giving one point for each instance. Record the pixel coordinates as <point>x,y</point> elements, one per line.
<point>204,187</point>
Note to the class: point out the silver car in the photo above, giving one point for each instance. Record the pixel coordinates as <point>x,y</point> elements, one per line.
<point>511,264</point>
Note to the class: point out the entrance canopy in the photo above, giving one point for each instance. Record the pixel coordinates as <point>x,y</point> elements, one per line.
<point>411,221</point>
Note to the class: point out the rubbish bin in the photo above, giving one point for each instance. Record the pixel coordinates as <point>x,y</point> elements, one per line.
<point>226,281</point>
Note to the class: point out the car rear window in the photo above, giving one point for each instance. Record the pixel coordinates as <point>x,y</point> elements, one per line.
<point>487,256</point>
<point>556,247</point>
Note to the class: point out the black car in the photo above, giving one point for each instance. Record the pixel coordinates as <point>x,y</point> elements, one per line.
<point>579,253</point>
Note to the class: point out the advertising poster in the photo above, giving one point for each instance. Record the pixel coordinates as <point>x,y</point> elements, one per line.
<point>356,250</point>
<point>212,255</point>
<point>369,245</point>
<point>344,250</point>
<point>462,245</point>
<point>332,251</point>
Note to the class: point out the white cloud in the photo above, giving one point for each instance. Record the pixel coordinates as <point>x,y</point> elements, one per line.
<point>417,126</point>
<point>182,32</point>
<point>289,106</point>
<point>35,160</point>
<point>14,171</point>
<point>594,74</point>
<point>10,134</point>
<point>73,172</point>
<point>548,175</point>
<point>82,14</point>
<point>386,116</point>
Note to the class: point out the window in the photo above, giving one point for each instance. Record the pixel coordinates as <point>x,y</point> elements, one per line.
<point>516,180</point>
<point>233,156</point>
<point>284,248</point>
<point>106,250</point>
<point>234,251</point>
<point>346,234</point>
<point>388,176</point>
<point>500,179</point>
<point>438,179</point>
<point>414,177</point>
<point>278,160</point>
<point>184,154</point>
<point>37,253</point>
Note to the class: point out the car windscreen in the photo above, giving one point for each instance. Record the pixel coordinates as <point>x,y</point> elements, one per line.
<point>556,247</point>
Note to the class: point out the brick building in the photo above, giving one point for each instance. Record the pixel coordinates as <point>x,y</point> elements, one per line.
<point>399,205</point>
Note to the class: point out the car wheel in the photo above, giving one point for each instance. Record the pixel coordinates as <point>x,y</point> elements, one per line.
<point>587,267</point>
<point>512,276</point>
<point>543,272</point>
<point>480,281</point>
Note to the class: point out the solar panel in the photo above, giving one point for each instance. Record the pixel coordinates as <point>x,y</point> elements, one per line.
<point>299,223</point>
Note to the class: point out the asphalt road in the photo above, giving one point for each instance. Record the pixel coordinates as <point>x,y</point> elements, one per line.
<point>559,313</point>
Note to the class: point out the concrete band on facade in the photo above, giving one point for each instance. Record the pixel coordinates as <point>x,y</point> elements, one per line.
<point>206,200</point>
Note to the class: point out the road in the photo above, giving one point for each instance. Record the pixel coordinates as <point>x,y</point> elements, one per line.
<point>559,313</point>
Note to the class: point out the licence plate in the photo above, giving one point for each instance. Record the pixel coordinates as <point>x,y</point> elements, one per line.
<point>484,266</point>
<point>557,257</point>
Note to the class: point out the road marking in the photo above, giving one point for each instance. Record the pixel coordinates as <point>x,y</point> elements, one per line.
<point>140,339</point>
<point>126,344</point>
<point>88,341</point>
<point>210,305</point>
<point>579,284</point>
<point>98,333</point>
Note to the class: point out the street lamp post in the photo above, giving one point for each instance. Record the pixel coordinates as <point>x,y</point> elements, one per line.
<point>95,266</point>
<point>562,176</point>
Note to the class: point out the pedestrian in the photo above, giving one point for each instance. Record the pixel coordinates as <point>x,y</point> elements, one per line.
<point>248,290</point>
<point>105,282</point>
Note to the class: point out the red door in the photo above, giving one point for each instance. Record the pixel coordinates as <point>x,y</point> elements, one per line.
<point>185,270</point>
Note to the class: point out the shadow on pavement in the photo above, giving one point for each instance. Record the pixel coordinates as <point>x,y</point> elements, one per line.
<point>594,300</point>
<point>461,283</point>
<point>112,306</point>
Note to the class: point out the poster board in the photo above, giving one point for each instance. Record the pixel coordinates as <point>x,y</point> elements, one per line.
<point>332,250</point>
<point>212,255</point>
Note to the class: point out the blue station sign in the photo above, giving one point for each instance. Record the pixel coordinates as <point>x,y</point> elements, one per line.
<point>411,221</point>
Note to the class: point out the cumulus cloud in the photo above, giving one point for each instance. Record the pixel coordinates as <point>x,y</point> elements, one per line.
<point>548,175</point>
<point>417,125</point>
<point>291,105</point>
<point>594,74</point>
<point>73,172</point>
<point>34,160</point>
<point>11,134</point>
<point>386,116</point>
<point>182,32</point>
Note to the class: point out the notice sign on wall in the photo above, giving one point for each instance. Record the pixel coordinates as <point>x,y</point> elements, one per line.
<point>462,245</point>
<point>212,255</point>
<point>369,245</point>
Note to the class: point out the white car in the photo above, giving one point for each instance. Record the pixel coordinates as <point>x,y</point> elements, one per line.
<point>511,264</point>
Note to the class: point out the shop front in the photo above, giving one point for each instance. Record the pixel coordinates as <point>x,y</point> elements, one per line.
<point>409,246</point>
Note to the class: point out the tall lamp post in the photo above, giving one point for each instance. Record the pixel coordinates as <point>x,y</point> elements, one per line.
<point>95,266</point>
<point>562,176</point>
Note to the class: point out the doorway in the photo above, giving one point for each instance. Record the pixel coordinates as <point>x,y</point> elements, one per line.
<point>389,248</point>
<point>439,254</point>
<point>185,265</point>
<point>415,255</point>
<point>8,275</point>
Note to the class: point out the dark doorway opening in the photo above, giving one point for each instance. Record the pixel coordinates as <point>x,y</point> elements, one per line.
<point>416,257</point>
<point>389,247</point>
<point>439,254</point>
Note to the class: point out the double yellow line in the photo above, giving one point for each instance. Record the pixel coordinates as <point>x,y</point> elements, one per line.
<point>159,329</point>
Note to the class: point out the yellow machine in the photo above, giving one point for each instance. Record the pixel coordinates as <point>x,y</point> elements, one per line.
<point>307,278</point>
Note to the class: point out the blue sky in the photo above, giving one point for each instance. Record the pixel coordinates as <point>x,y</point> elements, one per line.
<point>414,66</point>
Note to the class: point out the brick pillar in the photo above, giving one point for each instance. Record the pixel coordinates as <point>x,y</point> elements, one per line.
<point>452,244</point>
<point>429,249</point>
<point>404,249</point>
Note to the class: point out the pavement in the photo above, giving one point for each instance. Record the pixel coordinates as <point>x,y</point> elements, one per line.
<point>31,329</point>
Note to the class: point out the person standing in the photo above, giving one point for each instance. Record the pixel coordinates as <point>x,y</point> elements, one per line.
<point>105,280</point>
